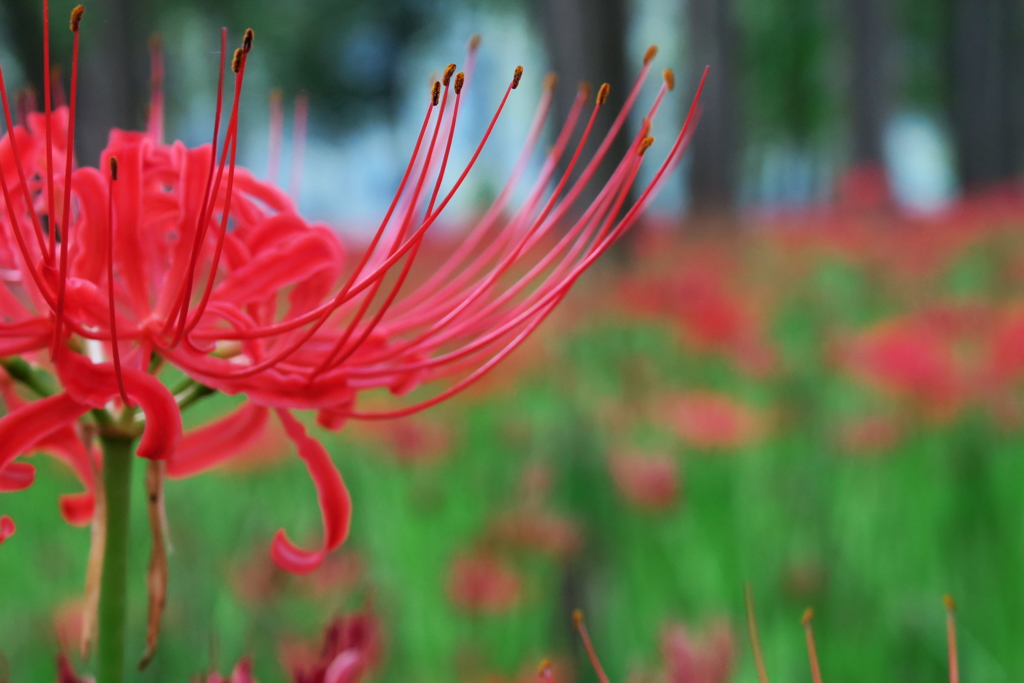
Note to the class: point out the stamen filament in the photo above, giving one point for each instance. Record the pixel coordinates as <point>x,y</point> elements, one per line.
<point>755,642</point>
<point>954,662</point>
<point>577,620</point>
<point>812,650</point>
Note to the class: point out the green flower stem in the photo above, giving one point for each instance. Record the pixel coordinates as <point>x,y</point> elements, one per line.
<point>118,452</point>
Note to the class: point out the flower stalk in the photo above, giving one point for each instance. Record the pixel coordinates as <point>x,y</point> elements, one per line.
<point>118,452</point>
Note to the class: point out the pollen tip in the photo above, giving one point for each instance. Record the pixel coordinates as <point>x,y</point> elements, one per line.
<point>113,168</point>
<point>808,615</point>
<point>602,93</point>
<point>236,61</point>
<point>435,92</point>
<point>544,665</point>
<point>550,80</point>
<point>577,618</point>
<point>474,42</point>
<point>516,77</point>
<point>585,89</point>
<point>155,42</point>
<point>460,81</point>
<point>948,601</point>
<point>670,79</point>
<point>247,40</point>
<point>645,144</point>
<point>76,17</point>
<point>652,51</point>
<point>448,73</point>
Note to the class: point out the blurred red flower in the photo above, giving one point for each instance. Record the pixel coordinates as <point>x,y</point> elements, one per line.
<point>708,420</point>
<point>650,481</point>
<point>483,583</point>
<point>698,657</point>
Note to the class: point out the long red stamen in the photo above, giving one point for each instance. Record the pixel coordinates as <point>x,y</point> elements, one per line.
<point>30,260</point>
<point>238,65</point>
<point>340,344</point>
<point>812,650</point>
<point>115,351</point>
<point>577,620</point>
<point>65,221</point>
<point>319,315</point>
<point>300,124</point>
<point>954,662</point>
<point>50,201</point>
<point>755,642</point>
<point>276,131</point>
<point>180,308</point>
<point>155,120</point>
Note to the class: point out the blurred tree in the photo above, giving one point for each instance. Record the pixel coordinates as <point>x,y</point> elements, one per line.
<point>986,103</point>
<point>585,41</point>
<point>714,40</point>
<point>868,32</point>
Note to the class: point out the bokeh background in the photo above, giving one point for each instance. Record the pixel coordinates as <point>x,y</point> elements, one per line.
<point>803,370</point>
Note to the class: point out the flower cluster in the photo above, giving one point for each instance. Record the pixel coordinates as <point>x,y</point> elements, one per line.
<point>166,255</point>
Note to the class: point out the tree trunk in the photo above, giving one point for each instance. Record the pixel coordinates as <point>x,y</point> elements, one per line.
<point>715,147</point>
<point>585,41</point>
<point>868,33</point>
<point>987,101</point>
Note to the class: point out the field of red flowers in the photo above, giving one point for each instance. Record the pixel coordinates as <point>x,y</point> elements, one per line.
<point>826,405</point>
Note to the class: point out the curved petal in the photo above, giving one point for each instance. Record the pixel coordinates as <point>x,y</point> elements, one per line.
<point>335,503</point>
<point>96,383</point>
<point>6,528</point>
<point>77,508</point>
<point>17,476</point>
<point>347,667</point>
<point>217,441</point>
<point>22,428</point>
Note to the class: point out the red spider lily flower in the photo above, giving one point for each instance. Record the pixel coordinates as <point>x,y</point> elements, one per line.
<point>351,647</point>
<point>170,254</point>
<point>702,657</point>
<point>242,673</point>
<point>483,583</point>
<point>649,481</point>
<point>909,360</point>
<point>709,421</point>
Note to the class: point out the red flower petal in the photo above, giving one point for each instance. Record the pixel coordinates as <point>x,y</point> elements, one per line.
<point>22,428</point>
<point>6,528</point>
<point>95,384</point>
<point>77,508</point>
<point>17,476</point>
<point>213,443</point>
<point>335,503</point>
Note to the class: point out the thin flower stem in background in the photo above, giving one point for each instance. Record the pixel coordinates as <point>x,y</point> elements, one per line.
<point>118,452</point>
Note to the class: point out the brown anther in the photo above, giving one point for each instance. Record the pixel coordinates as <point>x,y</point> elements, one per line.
<point>544,665</point>
<point>76,17</point>
<point>585,89</point>
<point>113,168</point>
<point>236,61</point>
<point>550,81</point>
<point>460,81</point>
<point>670,79</point>
<point>577,618</point>
<point>474,42</point>
<point>155,42</point>
<point>435,93</point>
<point>651,52</point>
<point>808,615</point>
<point>247,40</point>
<point>448,72</point>
<point>948,601</point>
<point>602,93</point>
<point>645,144</point>
<point>516,77</point>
